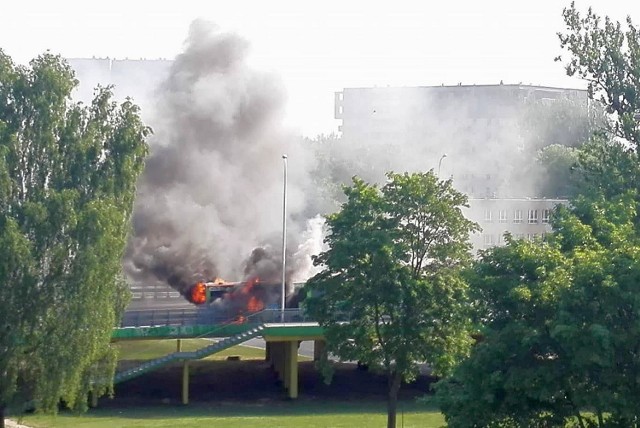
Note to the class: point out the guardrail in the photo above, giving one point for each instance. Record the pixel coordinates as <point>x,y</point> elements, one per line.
<point>208,316</point>
<point>274,316</point>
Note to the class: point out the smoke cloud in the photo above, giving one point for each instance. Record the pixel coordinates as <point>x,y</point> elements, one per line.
<point>209,203</point>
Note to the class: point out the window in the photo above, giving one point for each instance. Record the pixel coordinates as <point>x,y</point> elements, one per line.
<point>533,216</point>
<point>487,215</point>
<point>503,216</point>
<point>517,216</point>
<point>545,216</point>
<point>488,240</point>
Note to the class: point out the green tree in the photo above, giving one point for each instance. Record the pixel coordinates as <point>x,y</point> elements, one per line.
<point>393,268</point>
<point>555,170</point>
<point>561,319</point>
<point>511,373</point>
<point>67,184</point>
<point>564,122</point>
<point>606,55</point>
<point>606,167</point>
<point>561,327</point>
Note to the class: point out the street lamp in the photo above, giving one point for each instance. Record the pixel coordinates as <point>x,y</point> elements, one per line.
<point>284,240</point>
<point>440,163</point>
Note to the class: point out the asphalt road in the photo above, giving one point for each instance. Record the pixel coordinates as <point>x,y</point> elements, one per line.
<point>305,349</point>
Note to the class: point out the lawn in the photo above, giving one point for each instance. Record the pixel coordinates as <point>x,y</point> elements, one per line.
<point>243,394</point>
<point>270,414</point>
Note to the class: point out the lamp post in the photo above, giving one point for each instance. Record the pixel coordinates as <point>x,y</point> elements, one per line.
<point>440,163</point>
<point>284,240</point>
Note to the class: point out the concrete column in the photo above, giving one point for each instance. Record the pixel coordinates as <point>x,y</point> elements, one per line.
<point>286,359</point>
<point>279,360</point>
<point>185,382</point>
<point>292,369</point>
<point>318,349</point>
<point>179,345</point>
<point>267,352</point>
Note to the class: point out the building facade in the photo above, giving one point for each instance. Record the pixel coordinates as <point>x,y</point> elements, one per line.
<point>481,135</point>
<point>523,218</point>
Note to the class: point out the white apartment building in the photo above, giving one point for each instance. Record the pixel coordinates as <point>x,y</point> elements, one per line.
<point>482,130</point>
<point>523,218</point>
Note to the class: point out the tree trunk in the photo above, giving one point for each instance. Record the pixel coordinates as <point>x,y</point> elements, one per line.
<point>392,405</point>
<point>2,408</point>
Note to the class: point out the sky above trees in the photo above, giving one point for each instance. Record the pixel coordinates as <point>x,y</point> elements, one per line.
<point>322,47</point>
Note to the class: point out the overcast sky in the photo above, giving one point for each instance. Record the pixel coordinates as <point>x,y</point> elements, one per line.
<point>323,46</point>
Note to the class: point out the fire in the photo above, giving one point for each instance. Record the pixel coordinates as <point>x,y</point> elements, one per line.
<point>254,304</point>
<point>247,295</point>
<point>199,293</point>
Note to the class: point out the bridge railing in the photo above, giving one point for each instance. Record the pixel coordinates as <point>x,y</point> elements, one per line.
<point>205,316</point>
<point>268,316</point>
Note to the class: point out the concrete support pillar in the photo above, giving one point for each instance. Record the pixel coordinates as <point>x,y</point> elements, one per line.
<point>185,382</point>
<point>291,382</point>
<point>179,345</point>
<point>318,349</point>
<point>283,357</point>
<point>267,352</point>
<point>279,360</point>
<point>286,360</point>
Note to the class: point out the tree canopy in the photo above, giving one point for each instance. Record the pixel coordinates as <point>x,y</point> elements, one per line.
<point>67,184</point>
<point>560,320</point>
<point>606,54</point>
<point>560,327</point>
<point>392,269</point>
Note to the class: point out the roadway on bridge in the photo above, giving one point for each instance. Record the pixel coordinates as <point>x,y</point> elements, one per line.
<point>305,349</point>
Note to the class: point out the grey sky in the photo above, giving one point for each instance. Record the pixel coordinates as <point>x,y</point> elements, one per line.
<point>320,47</point>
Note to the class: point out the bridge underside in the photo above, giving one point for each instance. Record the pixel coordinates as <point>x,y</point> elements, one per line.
<point>283,357</point>
<point>282,342</point>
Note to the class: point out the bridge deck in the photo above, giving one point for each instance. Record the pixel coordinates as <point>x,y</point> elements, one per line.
<point>182,323</point>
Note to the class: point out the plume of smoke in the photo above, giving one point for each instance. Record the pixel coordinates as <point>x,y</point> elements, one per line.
<point>209,203</point>
<point>311,243</point>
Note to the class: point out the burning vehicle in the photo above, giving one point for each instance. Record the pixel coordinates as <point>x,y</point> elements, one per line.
<point>251,294</point>
<point>241,299</point>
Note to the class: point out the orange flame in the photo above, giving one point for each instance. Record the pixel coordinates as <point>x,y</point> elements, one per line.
<point>254,304</point>
<point>199,293</point>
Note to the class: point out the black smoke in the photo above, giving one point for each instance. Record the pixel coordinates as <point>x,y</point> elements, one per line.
<point>209,203</point>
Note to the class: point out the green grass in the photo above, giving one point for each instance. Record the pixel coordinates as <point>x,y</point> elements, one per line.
<point>263,412</point>
<point>149,349</point>
<point>273,414</point>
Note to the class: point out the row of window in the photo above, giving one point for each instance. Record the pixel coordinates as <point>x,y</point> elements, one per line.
<point>491,240</point>
<point>532,217</point>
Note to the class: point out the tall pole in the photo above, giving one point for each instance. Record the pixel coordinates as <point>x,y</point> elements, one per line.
<point>440,163</point>
<point>284,241</point>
